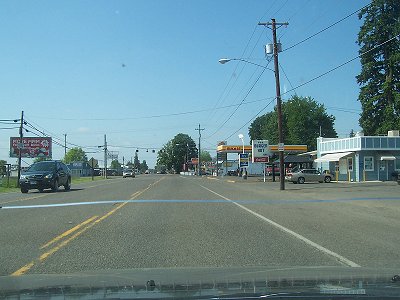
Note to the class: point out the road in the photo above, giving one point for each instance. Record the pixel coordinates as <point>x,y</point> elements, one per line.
<point>157,221</point>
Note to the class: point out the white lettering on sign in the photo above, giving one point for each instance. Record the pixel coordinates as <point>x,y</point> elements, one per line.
<point>260,150</point>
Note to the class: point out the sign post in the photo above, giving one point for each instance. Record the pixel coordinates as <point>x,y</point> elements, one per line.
<point>93,163</point>
<point>260,152</point>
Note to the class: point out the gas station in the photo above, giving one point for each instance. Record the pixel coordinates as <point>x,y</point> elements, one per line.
<point>224,150</point>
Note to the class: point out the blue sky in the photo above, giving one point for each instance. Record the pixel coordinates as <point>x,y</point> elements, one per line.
<point>123,68</point>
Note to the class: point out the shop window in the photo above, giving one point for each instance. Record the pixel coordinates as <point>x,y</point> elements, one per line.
<point>350,164</point>
<point>368,163</point>
<point>397,162</point>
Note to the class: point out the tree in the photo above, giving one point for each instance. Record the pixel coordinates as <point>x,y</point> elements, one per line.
<point>115,164</point>
<point>176,152</point>
<point>352,134</point>
<point>302,120</point>
<point>136,162</point>
<point>3,170</point>
<point>380,68</point>
<point>75,154</point>
<point>143,166</point>
<point>205,156</point>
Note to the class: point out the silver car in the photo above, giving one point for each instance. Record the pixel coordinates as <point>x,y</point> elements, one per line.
<point>128,173</point>
<point>309,175</point>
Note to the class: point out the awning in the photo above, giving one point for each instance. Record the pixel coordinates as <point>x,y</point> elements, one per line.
<point>387,157</point>
<point>332,157</point>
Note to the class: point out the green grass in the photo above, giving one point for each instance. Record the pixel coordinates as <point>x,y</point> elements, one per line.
<point>12,187</point>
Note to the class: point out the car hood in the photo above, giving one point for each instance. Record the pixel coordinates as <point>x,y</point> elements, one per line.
<point>194,283</point>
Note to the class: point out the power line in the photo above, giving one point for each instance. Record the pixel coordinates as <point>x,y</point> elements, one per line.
<point>326,28</point>
<point>343,64</point>
<point>317,77</point>
<point>269,103</point>
<point>219,102</point>
<point>230,116</point>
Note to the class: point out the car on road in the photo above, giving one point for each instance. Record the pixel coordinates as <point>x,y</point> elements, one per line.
<point>309,175</point>
<point>49,174</point>
<point>128,173</point>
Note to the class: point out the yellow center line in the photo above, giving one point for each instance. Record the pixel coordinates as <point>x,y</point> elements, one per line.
<point>24,269</point>
<point>67,241</point>
<point>68,232</point>
<point>97,220</point>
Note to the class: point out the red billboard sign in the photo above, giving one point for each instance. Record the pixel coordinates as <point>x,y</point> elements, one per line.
<point>30,147</point>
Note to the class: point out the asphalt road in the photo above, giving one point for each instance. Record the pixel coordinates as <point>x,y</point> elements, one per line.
<point>168,221</point>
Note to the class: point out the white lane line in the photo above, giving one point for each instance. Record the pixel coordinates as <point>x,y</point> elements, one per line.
<point>341,259</point>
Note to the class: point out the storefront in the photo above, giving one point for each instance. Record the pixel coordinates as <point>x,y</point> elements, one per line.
<point>360,158</point>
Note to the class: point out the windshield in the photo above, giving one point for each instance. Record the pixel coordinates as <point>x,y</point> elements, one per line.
<point>199,135</point>
<point>43,166</point>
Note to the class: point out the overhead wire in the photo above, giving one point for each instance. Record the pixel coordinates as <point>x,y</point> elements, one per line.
<point>319,76</point>
<point>326,28</point>
<point>248,92</point>
<point>243,54</point>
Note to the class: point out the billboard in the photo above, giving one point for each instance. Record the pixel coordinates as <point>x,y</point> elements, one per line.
<point>31,147</point>
<point>260,151</point>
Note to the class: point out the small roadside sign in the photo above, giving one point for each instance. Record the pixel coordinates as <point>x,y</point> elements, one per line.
<point>93,163</point>
<point>281,147</point>
<point>260,151</point>
<point>243,160</point>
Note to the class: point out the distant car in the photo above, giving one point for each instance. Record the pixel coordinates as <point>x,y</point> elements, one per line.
<point>232,173</point>
<point>268,170</point>
<point>309,175</point>
<point>49,174</point>
<point>128,173</point>
<point>147,172</point>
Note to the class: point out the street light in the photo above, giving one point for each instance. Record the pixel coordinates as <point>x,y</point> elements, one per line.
<point>241,137</point>
<point>226,60</point>
<point>278,104</point>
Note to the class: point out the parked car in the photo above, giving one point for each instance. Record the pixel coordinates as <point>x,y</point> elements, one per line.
<point>232,173</point>
<point>309,175</point>
<point>128,173</point>
<point>49,174</point>
<point>268,170</point>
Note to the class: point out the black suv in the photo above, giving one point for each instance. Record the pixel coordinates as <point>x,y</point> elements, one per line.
<point>49,174</point>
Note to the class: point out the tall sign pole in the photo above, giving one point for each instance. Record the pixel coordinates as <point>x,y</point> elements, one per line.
<point>278,102</point>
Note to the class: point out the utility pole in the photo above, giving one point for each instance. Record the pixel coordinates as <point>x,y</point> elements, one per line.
<point>198,163</point>
<point>105,157</point>
<point>278,102</point>
<point>65,145</point>
<point>21,127</point>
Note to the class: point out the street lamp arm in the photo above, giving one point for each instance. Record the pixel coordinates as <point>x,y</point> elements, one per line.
<point>226,60</point>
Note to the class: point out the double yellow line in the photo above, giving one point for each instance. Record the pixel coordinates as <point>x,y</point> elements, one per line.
<point>75,232</point>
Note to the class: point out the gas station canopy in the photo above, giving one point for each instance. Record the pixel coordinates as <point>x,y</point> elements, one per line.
<point>247,148</point>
